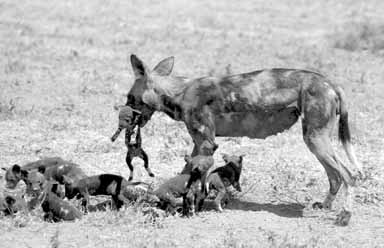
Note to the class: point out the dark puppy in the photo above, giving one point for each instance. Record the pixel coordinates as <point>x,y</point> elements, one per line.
<point>44,193</point>
<point>223,177</point>
<point>128,119</point>
<point>56,209</point>
<point>13,174</point>
<point>116,186</point>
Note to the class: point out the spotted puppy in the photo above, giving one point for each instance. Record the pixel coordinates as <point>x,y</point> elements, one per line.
<point>223,177</point>
<point>176,187</point>
<point>128,119</point>
<point>11,204</point>
<point>116,186</point>
<point>44,194</point>
<point>13,174</point>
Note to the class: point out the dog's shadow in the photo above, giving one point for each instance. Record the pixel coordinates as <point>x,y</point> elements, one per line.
<point>289,210</point>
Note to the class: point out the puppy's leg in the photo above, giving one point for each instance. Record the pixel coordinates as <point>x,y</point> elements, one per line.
<point>128,160</point>
<point>218,184</point>
<point>143,155</point>
<point>85,200</point>
<point>117,202</point>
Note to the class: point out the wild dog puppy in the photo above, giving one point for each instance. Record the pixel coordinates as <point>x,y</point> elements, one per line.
<point>56,209</point>
<point>9,205</point>
<point>116,186</point>
<point>128,119</point>
<point>44,193</point>
<point>223,177</point>
<point>174,188</point>
<point>13,174</point>
<point>198,168</point>
<point>184,185</point>
<point>36,183</point>
<point>57,172</point>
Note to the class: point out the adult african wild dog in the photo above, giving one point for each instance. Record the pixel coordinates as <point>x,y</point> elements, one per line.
<point>255,104</point>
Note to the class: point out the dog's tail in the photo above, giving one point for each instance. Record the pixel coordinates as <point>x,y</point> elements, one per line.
<point>344,131</point>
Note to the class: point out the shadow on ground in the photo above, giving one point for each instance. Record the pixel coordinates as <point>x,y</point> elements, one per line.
<point>290,210</point>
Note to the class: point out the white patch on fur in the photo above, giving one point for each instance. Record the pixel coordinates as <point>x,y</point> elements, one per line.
<point>293,104</point>
<point>141,187</point>
<point>61,167</point>
<point>201,129</point>
<point>63,210</point>
<point>233,97</point>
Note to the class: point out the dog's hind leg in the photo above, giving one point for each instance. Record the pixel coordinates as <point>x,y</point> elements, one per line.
<point>128,160</point>
<point>143,155</point>
<point>319,119</point>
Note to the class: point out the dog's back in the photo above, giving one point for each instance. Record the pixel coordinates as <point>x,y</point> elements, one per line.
<point>13,176</point>
<point>57,172</point>
<point>103,184</point>
<point>175,186</point>
<point>57,209</point>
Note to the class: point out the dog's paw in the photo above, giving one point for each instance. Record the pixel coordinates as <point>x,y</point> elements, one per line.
<point>151,174</point>
<point>317,205</point>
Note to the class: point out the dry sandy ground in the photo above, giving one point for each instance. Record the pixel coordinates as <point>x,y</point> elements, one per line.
<point>63,66</point>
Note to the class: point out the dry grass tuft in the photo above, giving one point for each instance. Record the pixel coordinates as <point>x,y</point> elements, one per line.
<point>357,36</point>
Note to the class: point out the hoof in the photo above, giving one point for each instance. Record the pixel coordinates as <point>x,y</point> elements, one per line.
<point>343,218</point>
<point>130,178</point>
<point>151,174</point>
<point>317,205</point>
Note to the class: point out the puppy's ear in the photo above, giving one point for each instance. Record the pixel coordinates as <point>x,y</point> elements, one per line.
<point>10,200</point>
<point>41,169</point>
<point>225,158</point>
<point>16,168</point>
<point>67,180</point>
<point>187,158</point>
<point>24,174</point>
<point>241,158</point>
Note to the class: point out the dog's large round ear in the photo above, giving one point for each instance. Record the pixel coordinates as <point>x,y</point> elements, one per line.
<point>139,68</point>
<point>16,168</point>
<point>225,157</point>
<point>164,67</point>
<point>41,169</point>
<point>24,174</point>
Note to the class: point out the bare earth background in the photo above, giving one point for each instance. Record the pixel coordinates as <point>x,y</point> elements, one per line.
<point>64,65</point>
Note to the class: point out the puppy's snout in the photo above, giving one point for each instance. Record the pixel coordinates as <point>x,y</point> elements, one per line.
<point>10,185</point>
<point>238,187</point>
